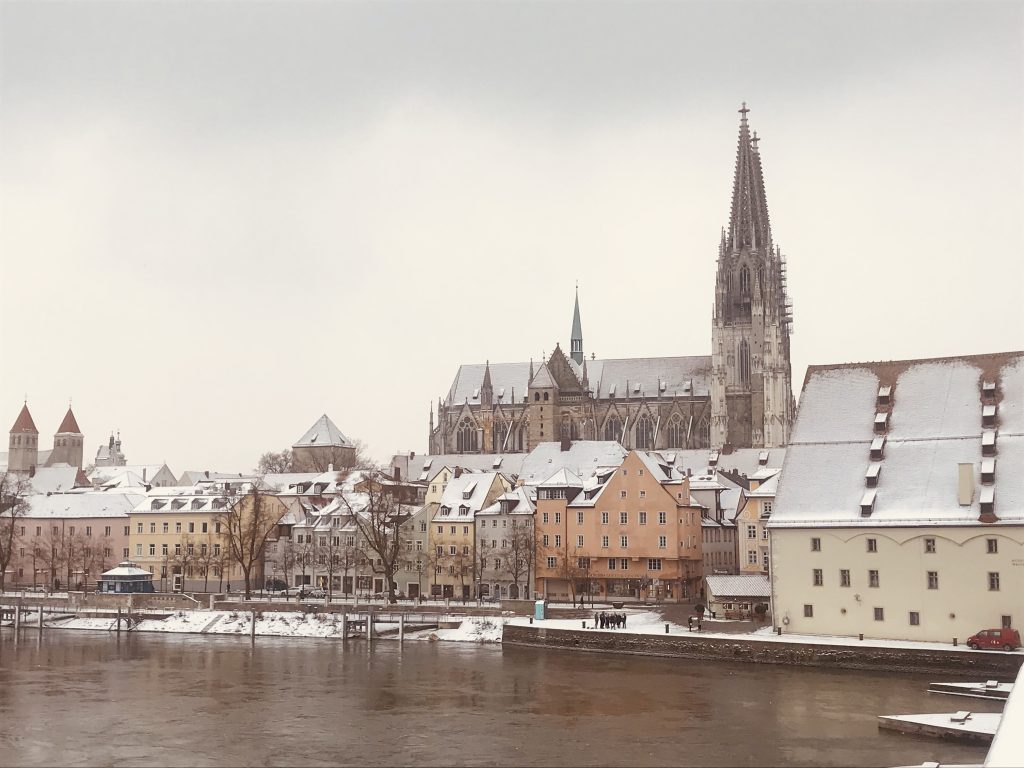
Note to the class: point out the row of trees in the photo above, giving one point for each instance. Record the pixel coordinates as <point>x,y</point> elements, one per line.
<point>325,457</point>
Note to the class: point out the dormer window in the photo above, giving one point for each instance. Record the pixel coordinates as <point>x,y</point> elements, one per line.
<point>988,442</point>
<point>871,476</point>
<point>445,511</point>
<point>867,503</point>
<point>988,389</point>
<point>881,421</point>
<point>884,395</point>
<point>988,471</point>
<point>762,458</point>
<point>713,458</point>
<point>988,415</point>
<point>463,510</point>
<point>878,448</point>
<point>988,500</point>
<point>611,392</point>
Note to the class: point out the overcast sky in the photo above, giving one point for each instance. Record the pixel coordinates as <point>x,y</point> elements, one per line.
<point>218,221</point>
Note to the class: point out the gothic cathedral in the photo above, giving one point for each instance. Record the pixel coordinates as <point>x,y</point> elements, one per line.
<point>740,396</point>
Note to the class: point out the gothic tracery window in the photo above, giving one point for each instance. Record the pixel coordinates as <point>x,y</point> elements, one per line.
<point>498,436</point>
<point>744,362</point>
<point>703,435</point>
<point>465,437</point>
<point>645,433</point>
<point>744,279</point>
<point>613,428</point>
<point>676,433</point>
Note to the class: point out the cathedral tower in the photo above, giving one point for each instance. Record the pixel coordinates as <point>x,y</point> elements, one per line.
<point>23,449</point>
<point>751,383</point>
<point>68,442</point>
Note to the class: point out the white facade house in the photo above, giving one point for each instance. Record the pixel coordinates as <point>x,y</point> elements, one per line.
<point>900,507</point>
<point>504,541</point>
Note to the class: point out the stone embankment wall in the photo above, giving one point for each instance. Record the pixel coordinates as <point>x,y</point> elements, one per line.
<point>75,600</point>
<point>981,664</point>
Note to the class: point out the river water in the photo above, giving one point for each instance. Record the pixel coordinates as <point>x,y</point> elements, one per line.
<point>86,698</point>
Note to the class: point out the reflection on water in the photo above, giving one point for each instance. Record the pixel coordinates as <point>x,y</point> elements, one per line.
<point>83,698</point>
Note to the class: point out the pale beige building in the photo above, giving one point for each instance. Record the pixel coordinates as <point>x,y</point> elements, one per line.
<point>900,508</point>
<point>755,509</point>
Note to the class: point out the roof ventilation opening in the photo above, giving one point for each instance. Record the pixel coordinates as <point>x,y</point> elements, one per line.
<point>713,458</point>
<point>884,396</point>
<point>988,442</point>
<point>871,476</point>
<point>988,505</point>
<point>988,415</point>
<point>636,388</point>
<point>867,502</point>
<point>762,458</point>
<point>988,389</point>
<point>988,471</point>
<point>878,448</point>
<point>881,422</point>
<point>965,484</point>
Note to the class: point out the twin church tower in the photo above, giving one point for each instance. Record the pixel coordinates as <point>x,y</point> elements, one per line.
<point>739,396</point>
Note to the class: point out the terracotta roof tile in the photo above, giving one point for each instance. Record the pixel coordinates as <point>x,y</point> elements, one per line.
<point>69,424</point>
<point>24,422</point>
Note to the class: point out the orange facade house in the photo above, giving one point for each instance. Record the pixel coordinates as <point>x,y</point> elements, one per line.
<point>631,532</point>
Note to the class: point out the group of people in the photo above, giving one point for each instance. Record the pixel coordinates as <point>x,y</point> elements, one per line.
<point>609,620</point>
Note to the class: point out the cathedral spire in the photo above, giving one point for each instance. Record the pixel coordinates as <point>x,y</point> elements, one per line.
<point>576,340</point>
<point>748,219</point>
<point>486,389</point>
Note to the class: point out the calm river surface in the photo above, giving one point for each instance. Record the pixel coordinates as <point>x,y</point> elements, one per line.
<point>84,698</point>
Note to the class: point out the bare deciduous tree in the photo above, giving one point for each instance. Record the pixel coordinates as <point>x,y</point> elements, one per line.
<point>275,462</point>
<point>379,514</point>
<point>246,523</point>
<point>517,560</point>
<point>14,505</point>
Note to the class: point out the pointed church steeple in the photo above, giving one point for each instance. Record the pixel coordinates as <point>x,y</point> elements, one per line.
<point>576,340</point>
<point>748,219</point>
<point>486,389</point>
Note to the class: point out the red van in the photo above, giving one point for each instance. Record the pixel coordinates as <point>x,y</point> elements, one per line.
<point>1007,639</point>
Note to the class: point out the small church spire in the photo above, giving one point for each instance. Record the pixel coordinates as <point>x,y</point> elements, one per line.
<point>486,390</point>
<point>576,340</point>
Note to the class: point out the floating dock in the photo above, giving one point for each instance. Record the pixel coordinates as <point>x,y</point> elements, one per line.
<point>990,689</point>
<point>978,727</point>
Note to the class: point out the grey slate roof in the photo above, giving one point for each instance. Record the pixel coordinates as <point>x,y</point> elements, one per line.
<point>323,432</point>
<point>744,585</point>
<point>583,458</point>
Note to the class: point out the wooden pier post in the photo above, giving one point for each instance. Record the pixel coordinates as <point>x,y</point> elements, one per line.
<point>401,627</point>
<point>119,620</point>
<point>252,629</point>
<point>344,625</point>
<point>17,619</point>
<point>369,625</point>
<point>40,621</point>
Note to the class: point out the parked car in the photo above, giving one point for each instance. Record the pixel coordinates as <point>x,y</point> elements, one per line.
<point>1004,638</point>
<point>314,593</point>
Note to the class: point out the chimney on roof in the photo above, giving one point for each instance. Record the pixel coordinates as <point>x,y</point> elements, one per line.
<point>458,472</point>
<point>566,443</point>
<point>330,467</point>
<point>965,484</point>
<point>412,455</point>
<point>32,470</point>
<point>144,475</point>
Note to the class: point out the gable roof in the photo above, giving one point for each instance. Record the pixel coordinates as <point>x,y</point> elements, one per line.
<point>69,425</point>
<point>543,377</point>
<point>583,459</point>
<point>323,432</point>
<point>745,585</point>
<point>24,422</point>
<point>934,425</point>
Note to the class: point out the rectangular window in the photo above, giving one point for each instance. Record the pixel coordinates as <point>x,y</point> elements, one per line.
<point>152,550</point>
<point>545,518</point>
<point>138,528</point>
<point>818,577</point>
<point>163,549</point>
<point>216,527</point>
<point>604,542</point>
<point>662,542</point>
<point>993,582</point>
<point>752,557</point>
<point>929,545</point>
<point>643,494</point>
<point>177,527</point>
<point>611,563</point>
<point>106,530</point>
<point>465,530</point>
<point>879,614</point>
<point>764,534</point>
<point>844,578</point>
<point>915,619</point>
<point>177,549</point>
<point>623,518</point>
<point>552,562</point>
<point>872,545</point>
<point>88,530</point>
<point>933,579</point>
<point>662,518</point>
<point>654,564</point>
<point>624,541</point>
<point>453,550</point>
<point>127,530</point>
<point>558,540</point>
<point>165,527</point>
<point>206,528</point>
<point>579,541</point>
<point>546,540</point>
<point>808,611</point>
<point>815,545</point>
<point>622,494</point>
<point>558,517</point>
<point>751,531</point>
<point>152,527</point>
<point>623,564</point>
<point>604,518</point>
<point>992,546</point>
<point>138,550</point>
<point>643,518</point>
<point>440,529</point>
<point>191,527</point>
<point>579,518</point>
<point>872,578</point>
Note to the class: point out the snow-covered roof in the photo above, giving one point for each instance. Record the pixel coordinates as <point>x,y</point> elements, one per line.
<point>59,477</point>
<point>126,568</point>
<point>741,585</point>
<point>518,498</point>
<point>935,425</point>
<point>746,461</point>
<point>767,489</point>
<point>324,432</point>
<point>82,504</point>
<point>193,476</point>
<point>108,475</point>
<point>474,484</point>
<point>563,478</point>
<point>583,458</point>
<point>426,467</point>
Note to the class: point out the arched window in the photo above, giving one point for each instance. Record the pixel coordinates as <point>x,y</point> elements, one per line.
<point>744,356</point>
<point>744,279</point>
<point>613,428</point>
<point>760,278</point>
<point>498,436</point>
<point>536,397</point>
<point>645,433</point>
<point>703,434</point>
<point>676,433</point>
<point>545,397</point>
<point>465,437</point>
